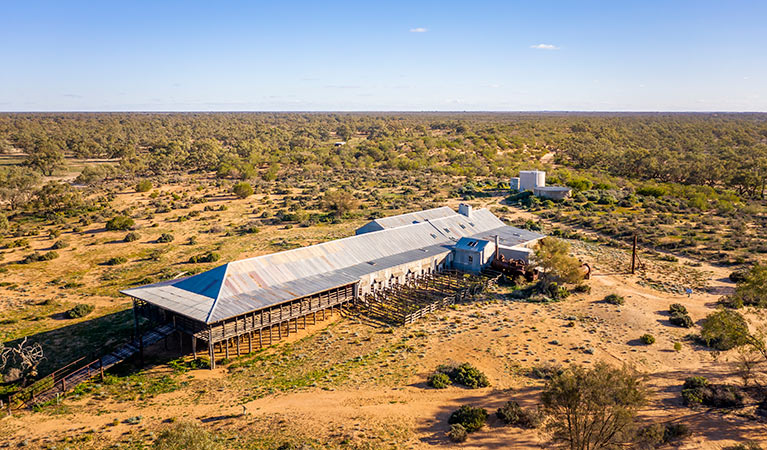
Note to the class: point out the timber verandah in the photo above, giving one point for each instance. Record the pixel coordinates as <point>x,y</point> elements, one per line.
<point>257,328</point>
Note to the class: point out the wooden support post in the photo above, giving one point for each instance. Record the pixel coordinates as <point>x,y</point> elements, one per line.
<point>250,342</point>
<point>194,346</point>
<point>138,334</point>
<point>279,331</point>
<point>226,348</point>
<point>270,334</point>
<point>260,342</point>
<point>180,343</point>
<point>101,368</point>
<point>237,342</point>
<point>211,349</point>
<point>634,255</point>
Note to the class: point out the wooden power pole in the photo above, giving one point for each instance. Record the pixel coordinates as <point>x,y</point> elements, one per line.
<point>634,255</point>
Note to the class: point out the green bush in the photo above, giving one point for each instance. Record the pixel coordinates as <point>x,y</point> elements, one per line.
<point>471,418</point>
<point>116,261</point>
<point>59,245</point>
<point>698,390</point>
<point>647,339</point>
<point>34,257</point>
<point>131,237</point>
<point>724,330</point>
<point>80,310</point>
<point>681,320</point>
<point>677,308</point>
<point>656,435</point>
<point>614,299</point>
<point>144,186</point>
<point>438,380</point>
<point>469,376</point>
<point>120,223</point>
<point>242,189</point>
<point>206,258</point>
<point>165,238</point>
<point>513,414</point>
<point>457,433</point>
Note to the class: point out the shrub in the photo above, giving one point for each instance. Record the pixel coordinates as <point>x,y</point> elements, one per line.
<point>120,223</point>
<point>469,376</point>
<point>677,308</point>
<point>34,257</point>
<point>80,310</point>
<point>144,186</point>
<point>614,299</point>
<point>59,245</point>
<point>657,434</point>
<point>116,261</point>
<point>242,189</point>
<point>750,445</point>
<point>438,380</point>
<point>647,339</point>
<point>677,346</point>
<point>206,258</point>
<point>187,436</point>
<point>724,330</point>
<point>165,238</point>
<point>471,418</point>
<point>513,414</point>
<point>697,390</point>
<point>457,433</point>
<point>681,320</point>
<point>131,237</point>
<point>738,276</point>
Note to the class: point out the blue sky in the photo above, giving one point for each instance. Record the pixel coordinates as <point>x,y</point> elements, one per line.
<point>325,55</point>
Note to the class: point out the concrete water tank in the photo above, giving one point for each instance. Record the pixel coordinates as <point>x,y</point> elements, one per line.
<point>531,179</point>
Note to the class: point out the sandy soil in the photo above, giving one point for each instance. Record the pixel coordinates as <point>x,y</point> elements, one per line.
<point>503,339</point>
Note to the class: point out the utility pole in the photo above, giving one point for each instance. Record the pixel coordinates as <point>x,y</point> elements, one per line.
<point>634,255</point>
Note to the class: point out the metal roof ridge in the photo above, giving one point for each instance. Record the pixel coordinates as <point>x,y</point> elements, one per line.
<point>218,295</point>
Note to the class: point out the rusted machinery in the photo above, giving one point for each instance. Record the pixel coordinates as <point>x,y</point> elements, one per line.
<point>514,268</point>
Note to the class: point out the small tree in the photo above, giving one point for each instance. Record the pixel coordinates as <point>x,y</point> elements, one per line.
<point>45,157</point>
<point>752,290</point>
<point>593,409</point>
<point>242,189</point>
<point>552,255</point>
<point>144,186</point>
<point>120,223</point>
<point>340,202</point>
<point>727,329</point>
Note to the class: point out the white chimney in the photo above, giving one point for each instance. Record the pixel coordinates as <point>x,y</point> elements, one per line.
<point>464,209</point>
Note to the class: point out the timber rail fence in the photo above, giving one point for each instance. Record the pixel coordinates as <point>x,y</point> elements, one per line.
<point>61,381</point>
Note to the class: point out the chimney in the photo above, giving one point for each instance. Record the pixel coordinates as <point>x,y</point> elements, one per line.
<point>464,209</point>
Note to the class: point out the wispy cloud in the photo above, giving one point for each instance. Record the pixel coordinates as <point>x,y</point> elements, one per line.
<point>544,47</point>
<point>419,30</point>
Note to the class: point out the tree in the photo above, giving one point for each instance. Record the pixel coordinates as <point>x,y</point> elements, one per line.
<point>45,157</point>
<point>752,290</point>
<point>17,185</point>
<point>118,223</point>
<point>58,197</point>
<point>20,362</point>
<point>243,190</point>
<point>593,409</point>
<point>552,255</point>
<point>339,201</point>
<point>144,186</point>
<point>727,329</point>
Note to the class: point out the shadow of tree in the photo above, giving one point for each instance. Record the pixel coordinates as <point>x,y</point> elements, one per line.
<point>90,338</point>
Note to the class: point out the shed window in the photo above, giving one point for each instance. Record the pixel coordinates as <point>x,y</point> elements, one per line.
<point>472,244</point>
<point>471,259</point>
<point>462,226</point>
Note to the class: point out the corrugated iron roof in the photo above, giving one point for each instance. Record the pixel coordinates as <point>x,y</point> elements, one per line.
<point>385,223</point>
<point>251,284</point>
